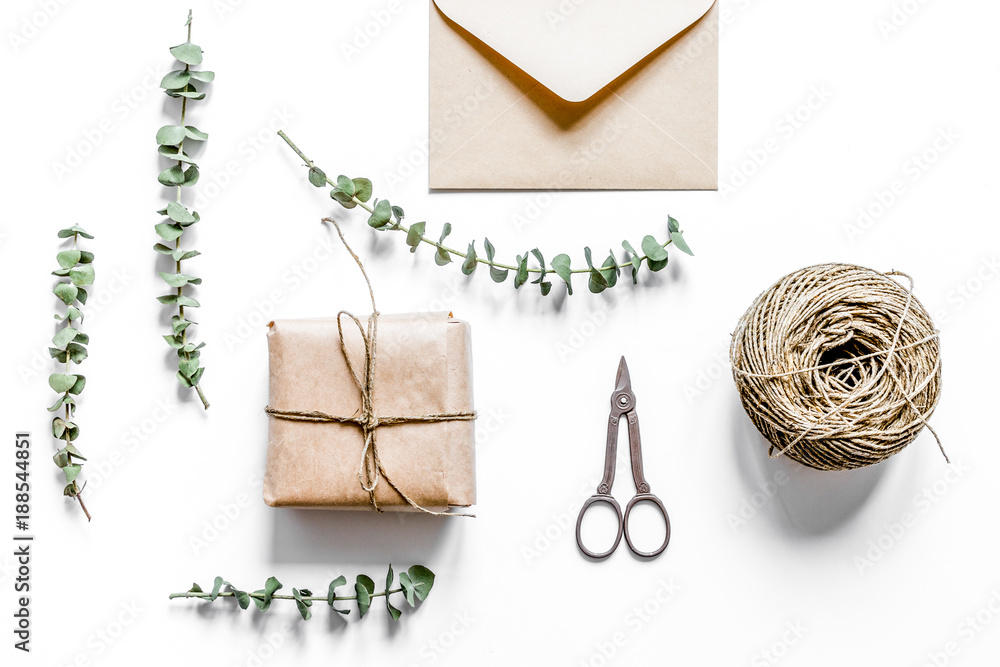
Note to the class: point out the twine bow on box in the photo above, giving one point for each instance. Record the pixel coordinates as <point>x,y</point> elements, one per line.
<point>370,469</point>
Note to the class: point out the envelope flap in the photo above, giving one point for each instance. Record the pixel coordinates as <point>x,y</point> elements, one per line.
<point>574,47</point>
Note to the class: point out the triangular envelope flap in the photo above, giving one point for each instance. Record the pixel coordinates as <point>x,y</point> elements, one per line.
<point>574,47</point>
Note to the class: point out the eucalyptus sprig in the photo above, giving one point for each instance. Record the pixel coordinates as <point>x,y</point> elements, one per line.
<point>170,139</point>
<point>415,584</point>
<point>383,216</point>
<point>69,347</point>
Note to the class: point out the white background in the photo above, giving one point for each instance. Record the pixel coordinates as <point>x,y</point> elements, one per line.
<point>511,583</point>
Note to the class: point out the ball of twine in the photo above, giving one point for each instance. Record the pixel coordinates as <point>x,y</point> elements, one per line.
<point>838,366</point>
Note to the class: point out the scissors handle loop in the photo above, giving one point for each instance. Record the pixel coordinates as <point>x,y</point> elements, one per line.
<point>600,498</point>
<point>650,498</point>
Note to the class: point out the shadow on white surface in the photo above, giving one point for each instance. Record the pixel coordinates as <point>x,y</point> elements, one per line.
<point>362,536</point>
<point>812,502</point>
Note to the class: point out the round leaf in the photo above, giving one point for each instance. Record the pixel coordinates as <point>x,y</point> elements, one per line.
<point>82,275</point>
<point>170,135</point>
<point>175,80</point>
<point>66,292</point>
<point>187,53</point>
<point>654,249</point>
<point>69,258</point>
<point>61,382</point>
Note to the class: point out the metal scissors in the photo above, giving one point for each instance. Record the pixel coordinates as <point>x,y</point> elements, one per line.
<point>623,405</point>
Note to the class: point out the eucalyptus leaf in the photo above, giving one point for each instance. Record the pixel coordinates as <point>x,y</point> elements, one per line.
<point>345,200</point>
<point>471,262</point>
<point>171,176</point>
<point>656,265</point>
<point>521,276</point>
<point>188,366</point>
<point>68,258</point>
<point>169,231</point>
<point>203,75</point>
<point>64,336</point>
<point>179,212</point>
<point>541,265</point>
<point>216,587</point>
<point>598,283</point>
<point>303,603</point>
<point>654,249</point>
<point>678,240</point>
<point>346,186</point>
<point>561,266</point>
<point>175,279</point>
<point>82,275</point>
<point>174,341</point>
<point>66,292</point>
<point>191,176</point>
<point>192,132</point>
<point>381,215</point>
<point>610,271</point>
<point>497,274</point>
<point>242,598</point>
<point>331,594</point>
<point>414,235</point>
<point>187,53</point>
<point>317,177</point>
<point>61,382</point>
<point>176,80</point>
<point>73,231</point>
<point>408,589</point>
<point>76,352</point>
<point>423,580</point>
<point>78,386</point>
<point>441,257</point>
<point>61,458</point>
<point>362,188</point>
<point>635,259</point>
<point>445,231</point>
<point>363,588</point>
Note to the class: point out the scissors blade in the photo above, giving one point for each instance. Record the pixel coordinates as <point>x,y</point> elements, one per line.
<point>622,380</point>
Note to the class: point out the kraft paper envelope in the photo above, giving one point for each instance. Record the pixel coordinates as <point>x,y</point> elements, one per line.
<point>574,94</point>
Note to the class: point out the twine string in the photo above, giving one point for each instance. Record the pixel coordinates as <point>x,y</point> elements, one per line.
<point>370,468</point>
<point>815,413</point>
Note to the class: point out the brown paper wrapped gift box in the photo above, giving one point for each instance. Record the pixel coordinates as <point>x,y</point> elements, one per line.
<point>423,366</point>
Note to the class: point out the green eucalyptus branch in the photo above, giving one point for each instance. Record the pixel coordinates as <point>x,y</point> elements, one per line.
<point>415,584</point>
<point>170,139</point>
<point>76,272</point>
<point>352,192</point>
